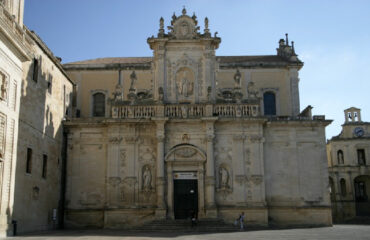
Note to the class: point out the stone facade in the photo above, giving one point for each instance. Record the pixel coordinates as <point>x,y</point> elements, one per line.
<point>14,50</point>
<point>35,93</point>
<point>348,159</point>
<point>45,101</point>
<point>231,126</point>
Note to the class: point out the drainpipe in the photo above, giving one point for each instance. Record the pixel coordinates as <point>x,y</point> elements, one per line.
<point>63,180</point>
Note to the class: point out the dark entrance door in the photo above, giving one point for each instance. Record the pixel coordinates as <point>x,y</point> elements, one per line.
<point>185,198</point>
<point>362,200</point>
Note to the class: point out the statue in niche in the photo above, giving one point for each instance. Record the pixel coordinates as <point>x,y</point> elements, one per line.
<point>147,179</point>
<point>185,82</point>
<point>224,178</point>
<point>133,79</point>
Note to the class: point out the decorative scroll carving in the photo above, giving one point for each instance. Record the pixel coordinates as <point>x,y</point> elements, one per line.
<point>185,152</point>
<point>114,181</point>
<point>200,78</point>
<point>115,140</point>
<point>241,179</point>
<point>131,139</point>
<point>257,179</point>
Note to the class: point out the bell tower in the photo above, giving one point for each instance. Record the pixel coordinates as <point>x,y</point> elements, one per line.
<point>352,114</point>
<point>184,61</point>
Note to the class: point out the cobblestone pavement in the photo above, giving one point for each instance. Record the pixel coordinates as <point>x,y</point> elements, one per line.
<point>337,232</point>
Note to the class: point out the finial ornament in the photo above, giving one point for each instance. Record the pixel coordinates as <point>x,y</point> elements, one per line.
<point>293,47</point>
<point>161,23</point>
<point>183,11</point>
<point>206,23</point>
<point>286,41</point>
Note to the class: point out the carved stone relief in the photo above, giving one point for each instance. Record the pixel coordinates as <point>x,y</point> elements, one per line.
<point>185,152</point>
<point>114,181</point>
<point>224,180</point>
<point>115,140</point>
<point>257,179</point>
<point>147,178</point>
<point>127,190</point>
<point>185,82</point>
<point>200,78</point>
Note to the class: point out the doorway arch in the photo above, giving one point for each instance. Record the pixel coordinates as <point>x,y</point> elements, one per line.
<point>362,191</point>
<point>185,162</point>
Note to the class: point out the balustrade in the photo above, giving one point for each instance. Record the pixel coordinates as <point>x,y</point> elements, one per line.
<point>185,110</point>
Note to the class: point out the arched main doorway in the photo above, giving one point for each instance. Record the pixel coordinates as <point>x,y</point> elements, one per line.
<point>185,174</point>
<point>362,191</point>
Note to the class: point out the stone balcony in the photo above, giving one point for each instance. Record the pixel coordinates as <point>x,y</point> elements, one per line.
<point>182,111</point>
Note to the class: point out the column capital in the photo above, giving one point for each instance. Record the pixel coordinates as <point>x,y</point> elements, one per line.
<point>210,137</point>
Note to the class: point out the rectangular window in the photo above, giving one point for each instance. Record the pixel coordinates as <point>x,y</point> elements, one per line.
<point>361,157</point>
<point>50,83</point>
<point>29,161</point>
<point>44,165</point>
<point>35,70</point>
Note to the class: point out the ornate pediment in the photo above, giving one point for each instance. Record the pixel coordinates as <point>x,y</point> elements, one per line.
<point>185,153</point>
<point>184,26</point>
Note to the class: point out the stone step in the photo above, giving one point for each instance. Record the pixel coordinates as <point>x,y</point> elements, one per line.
<point>204,225</point>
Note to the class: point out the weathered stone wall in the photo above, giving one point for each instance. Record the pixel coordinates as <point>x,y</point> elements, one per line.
<point>43,106</point>
<point>296,172</point>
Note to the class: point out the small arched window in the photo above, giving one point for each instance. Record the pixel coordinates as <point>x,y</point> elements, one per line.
<point>269,103</point>
<point>343,189</point>
<point>340,157</point>
<point>99,105</point>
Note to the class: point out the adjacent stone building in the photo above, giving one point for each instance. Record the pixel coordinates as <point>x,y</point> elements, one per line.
<point>185,130</point>
<point>35,94</point>
<point>14,50</point>
<point>349,171</point>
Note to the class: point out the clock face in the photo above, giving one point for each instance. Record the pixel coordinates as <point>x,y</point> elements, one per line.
<point>359,132</point>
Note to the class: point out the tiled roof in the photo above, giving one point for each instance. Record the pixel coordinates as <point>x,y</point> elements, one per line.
<point>144,62</point>
<point>261,58</point>
<point>113,60</point>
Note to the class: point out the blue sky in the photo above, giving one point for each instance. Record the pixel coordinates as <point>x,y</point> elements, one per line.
<point>332,38</point>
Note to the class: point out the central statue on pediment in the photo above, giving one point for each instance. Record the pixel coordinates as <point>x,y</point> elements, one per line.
<point>185,82</point>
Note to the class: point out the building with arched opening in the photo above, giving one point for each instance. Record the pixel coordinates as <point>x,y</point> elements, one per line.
<point>349,171</point>
<point>188,131</point>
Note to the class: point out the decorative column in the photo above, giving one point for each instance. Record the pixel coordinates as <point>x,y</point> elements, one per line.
<point>160,181</point>
<point>294,82</point>
<point>113,175</point>
<point>211,210</point>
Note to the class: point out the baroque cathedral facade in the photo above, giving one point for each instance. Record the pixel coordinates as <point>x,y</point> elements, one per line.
<point>188,131</point>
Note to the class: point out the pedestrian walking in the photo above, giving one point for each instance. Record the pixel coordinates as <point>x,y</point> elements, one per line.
<point>241,221</point>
